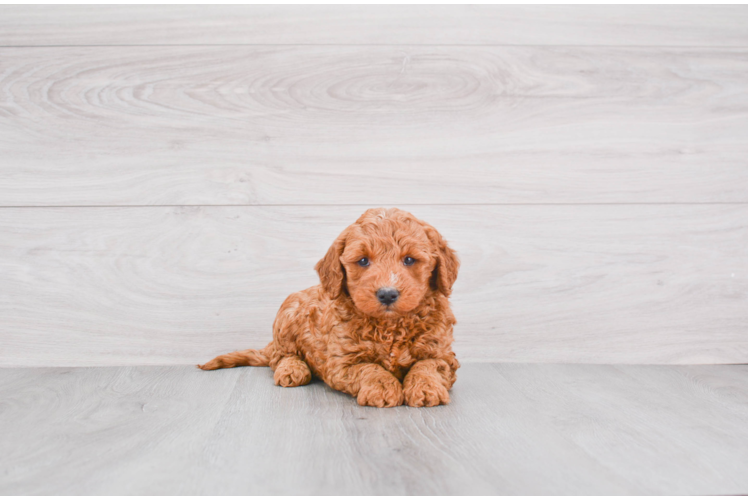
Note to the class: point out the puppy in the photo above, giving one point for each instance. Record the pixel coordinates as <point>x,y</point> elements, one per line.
<point>379,326</point>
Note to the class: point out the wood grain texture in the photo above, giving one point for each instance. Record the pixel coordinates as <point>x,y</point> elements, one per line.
<point>712,25</point>
<point>172,285</point>
<point>372,125</point>
<point>510,429</point>
<point>292,120</point>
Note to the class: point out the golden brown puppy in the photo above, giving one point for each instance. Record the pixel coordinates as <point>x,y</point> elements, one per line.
<point>379,327</point>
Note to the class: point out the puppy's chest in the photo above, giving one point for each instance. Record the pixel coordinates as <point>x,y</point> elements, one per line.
<point>396,357</point>
<point>395,354</point>
<point>397,349</point>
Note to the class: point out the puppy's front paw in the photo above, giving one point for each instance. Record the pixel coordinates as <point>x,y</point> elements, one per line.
<point>382,392</point>
<point>425,391</point>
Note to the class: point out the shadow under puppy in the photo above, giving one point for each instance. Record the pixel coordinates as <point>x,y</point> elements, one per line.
<point>379,326</point>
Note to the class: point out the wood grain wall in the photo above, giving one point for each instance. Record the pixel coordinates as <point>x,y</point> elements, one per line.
<point>169,174</point>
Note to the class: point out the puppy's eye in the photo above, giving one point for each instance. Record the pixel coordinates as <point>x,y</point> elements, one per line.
<point>363,262</point>
<point>409,261</point>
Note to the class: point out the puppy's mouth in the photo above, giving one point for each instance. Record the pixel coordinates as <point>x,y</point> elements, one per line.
<point>387,310</point>
<point>393,310</point>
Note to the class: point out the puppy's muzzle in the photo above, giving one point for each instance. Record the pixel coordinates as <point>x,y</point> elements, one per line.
<point>387,296</point>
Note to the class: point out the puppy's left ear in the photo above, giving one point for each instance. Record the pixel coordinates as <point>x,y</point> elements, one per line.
<point>330,269</point>
<point>447,263</point>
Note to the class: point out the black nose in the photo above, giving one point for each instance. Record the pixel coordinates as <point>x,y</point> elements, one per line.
<point>387,295</point>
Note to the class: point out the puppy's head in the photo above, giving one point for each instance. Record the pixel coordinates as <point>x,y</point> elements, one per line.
<point>388,262</point>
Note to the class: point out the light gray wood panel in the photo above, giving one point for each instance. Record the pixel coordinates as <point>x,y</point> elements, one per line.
<point>372,125</point>
<point>170,285</point>
<point>713,25</point>
<point>510,429</point>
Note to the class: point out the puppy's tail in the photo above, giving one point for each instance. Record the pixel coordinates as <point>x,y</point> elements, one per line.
<point>249,357</point>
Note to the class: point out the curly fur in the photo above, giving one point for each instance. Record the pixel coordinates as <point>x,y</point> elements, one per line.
<point>341,333</point>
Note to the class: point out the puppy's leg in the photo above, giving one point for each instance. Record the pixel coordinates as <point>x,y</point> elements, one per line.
<point>369,383</point>
<point>428,382</point>
<point>292,371</point>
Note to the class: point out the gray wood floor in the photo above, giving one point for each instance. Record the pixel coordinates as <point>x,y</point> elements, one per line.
<point>511,429</point>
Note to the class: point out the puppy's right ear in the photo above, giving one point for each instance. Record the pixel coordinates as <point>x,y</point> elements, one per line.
<point>330,269</point>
